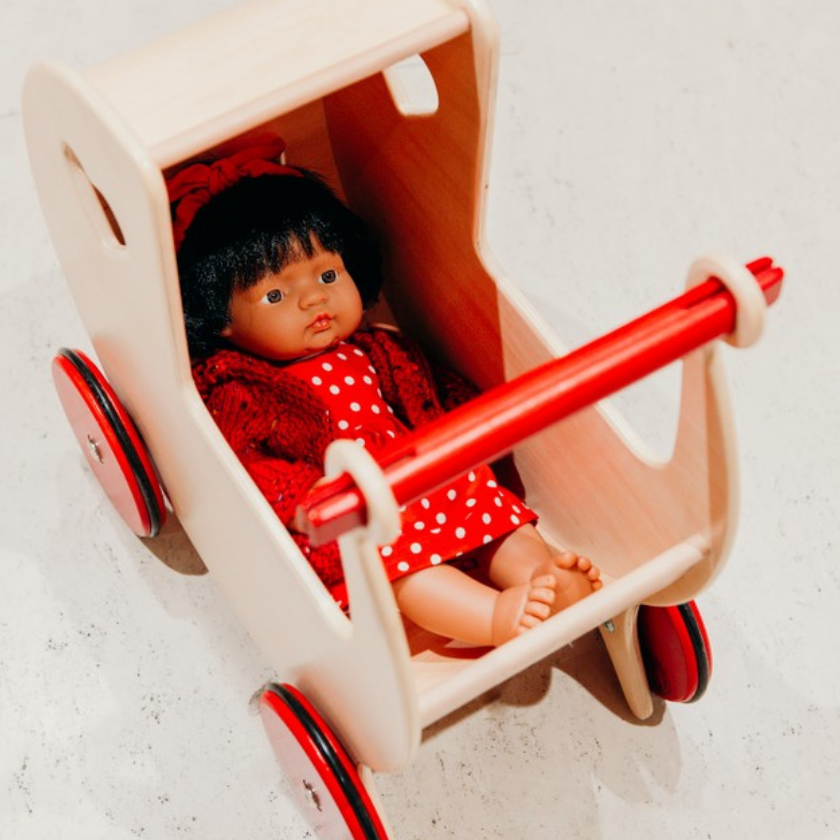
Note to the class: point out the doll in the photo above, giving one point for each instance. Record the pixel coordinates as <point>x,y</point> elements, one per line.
<point>276,275</point>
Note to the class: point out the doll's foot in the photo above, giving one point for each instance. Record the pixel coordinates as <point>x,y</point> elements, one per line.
<point>523,607</point>
<point>576,578</point>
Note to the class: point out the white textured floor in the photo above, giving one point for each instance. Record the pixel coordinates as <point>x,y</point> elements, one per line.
<point>630,137</point>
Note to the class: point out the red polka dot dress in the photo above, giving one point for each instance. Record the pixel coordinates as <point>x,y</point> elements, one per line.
<point>471,511</point>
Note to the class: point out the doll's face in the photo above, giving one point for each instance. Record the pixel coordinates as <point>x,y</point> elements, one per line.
<point>308,306</point>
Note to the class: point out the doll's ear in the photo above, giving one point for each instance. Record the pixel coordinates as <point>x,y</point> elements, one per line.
<point>227,330</point>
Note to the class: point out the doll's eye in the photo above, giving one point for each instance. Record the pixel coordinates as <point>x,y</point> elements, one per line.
<point>274,296</point>
<point>329,276</point>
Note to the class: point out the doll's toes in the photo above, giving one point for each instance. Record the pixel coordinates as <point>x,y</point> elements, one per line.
<point>543,589</point>
<point>537,610</point>
<point>566,560</point>
<point>529,622</point>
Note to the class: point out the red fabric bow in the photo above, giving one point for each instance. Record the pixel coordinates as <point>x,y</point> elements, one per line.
<point>191,188</point>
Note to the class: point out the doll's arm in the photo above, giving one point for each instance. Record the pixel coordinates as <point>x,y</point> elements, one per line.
<point>449,386</point>
<point>285,484</point>
<point>452,389</point>
<point>249,425</point>
<point>250,429</point>
<point>399,359</point>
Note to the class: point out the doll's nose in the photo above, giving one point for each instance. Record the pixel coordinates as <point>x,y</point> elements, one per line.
<point>313,296</point>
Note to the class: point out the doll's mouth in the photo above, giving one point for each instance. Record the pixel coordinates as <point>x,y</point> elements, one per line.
<point>321,322</point>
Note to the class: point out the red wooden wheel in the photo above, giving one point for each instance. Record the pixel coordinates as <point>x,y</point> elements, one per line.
<point>676,651</point>
<point>324,779</point>
<point>115,452</point>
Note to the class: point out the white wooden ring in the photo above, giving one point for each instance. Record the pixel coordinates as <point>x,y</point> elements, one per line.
<point>383,514</point>
<point>740,281</point>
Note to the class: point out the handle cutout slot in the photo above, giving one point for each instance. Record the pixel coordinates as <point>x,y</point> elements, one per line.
<point>98,208</point>
<point>412,87</point>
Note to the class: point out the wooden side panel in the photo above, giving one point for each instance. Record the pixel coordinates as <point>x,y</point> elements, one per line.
<point>420,182</point>
<point>190,91</point>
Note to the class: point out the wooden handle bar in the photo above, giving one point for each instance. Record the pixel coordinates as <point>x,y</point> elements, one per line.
<point>492,424</point>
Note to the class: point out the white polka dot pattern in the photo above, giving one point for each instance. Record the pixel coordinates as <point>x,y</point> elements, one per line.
<point>470,512</point>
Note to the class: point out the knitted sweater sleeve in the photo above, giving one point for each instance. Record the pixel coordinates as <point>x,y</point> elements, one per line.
<point>417,387</point>
<point>248,428</point>
<point>452,388</point>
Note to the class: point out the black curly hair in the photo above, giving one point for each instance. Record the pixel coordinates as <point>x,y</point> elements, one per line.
<point>256,227</point>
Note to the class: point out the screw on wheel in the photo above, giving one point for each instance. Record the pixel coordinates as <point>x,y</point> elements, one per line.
<point>676,651</point>
<point>111,443</point>
<point>324,779</point>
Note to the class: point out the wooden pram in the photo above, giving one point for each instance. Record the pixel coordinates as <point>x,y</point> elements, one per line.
<point>327,77</point>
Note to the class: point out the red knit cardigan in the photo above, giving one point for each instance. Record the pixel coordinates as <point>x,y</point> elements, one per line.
<point>280,428</point>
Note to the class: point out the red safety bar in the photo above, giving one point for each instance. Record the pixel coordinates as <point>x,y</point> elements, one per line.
<point>490,425</point>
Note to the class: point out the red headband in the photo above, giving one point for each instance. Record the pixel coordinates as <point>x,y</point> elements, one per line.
<point>193,187</point>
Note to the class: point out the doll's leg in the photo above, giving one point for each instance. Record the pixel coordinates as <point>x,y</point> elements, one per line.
<point>524,553</point>
<point>449,602</point>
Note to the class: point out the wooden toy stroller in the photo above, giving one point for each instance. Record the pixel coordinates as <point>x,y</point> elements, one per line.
<point>326,76</point>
